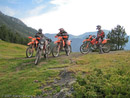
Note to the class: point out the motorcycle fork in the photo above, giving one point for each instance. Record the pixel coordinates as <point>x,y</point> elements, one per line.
<point>59,46</point>
<point>63,43</point>
<point>87,45</point>
<point>32,47</point>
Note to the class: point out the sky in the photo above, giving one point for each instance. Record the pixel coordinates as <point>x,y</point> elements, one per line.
<point>75,16</point>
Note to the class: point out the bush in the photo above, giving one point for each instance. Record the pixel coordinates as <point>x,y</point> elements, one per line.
<point>99,84</point>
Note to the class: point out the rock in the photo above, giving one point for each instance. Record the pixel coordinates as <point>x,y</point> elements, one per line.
<point>72,82</point>
<point>36,81</point>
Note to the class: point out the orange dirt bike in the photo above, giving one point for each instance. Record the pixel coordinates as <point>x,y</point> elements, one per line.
<point>92,44</point>
<point>33,44</point>
<point>60,45</point>
<point>42,49</point>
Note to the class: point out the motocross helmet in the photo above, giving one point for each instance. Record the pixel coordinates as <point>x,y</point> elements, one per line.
<point>98,27</point>
<point>61,29</point>
<point>40,31</point>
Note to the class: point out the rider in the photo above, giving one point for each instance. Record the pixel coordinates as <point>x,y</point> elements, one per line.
<point>41,35</point>
<point>100,36</point>
<point>63,33</point>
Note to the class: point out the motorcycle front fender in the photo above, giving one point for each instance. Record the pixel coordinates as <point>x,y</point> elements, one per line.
<point>57,42</point>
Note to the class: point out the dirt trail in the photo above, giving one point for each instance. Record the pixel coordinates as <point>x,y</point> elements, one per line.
<point>66,79</point>
<point>62,86</point>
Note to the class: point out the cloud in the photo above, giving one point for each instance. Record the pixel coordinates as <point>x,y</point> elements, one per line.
<point>59,2</point>
<point>8,11</point>
<point>36,11</point>
<point>80,16</point>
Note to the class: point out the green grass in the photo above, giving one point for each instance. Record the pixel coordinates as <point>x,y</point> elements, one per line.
<point>105,75</point>
<point>18,73</point>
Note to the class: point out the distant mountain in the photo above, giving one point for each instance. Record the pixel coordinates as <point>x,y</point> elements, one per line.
<point>16,25</point>
<point>78,40</point>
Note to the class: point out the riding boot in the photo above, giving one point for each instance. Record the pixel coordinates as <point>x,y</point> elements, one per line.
<point>66,46</point>
<point>100,49</point>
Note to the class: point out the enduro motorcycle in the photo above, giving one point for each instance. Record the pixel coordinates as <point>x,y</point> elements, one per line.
<point>42,49</point>
<point>60,46</point>
<point>33,44</point>
<point>91,44</point>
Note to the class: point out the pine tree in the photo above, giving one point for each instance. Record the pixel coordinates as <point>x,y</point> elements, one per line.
<point>118,38</point>
<point>9,36</point>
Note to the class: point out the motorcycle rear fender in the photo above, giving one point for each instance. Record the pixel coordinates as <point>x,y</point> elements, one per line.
<point>105,41</point>
<point>69,42</point>
<point>29,43</point>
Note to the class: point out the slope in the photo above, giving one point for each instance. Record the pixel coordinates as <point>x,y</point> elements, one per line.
<point>77,75</point>
<point>16,25</point>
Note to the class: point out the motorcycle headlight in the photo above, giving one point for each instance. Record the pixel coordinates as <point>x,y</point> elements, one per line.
<point>42,42</point>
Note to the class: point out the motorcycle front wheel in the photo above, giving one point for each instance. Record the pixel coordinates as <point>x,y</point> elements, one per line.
<point>29,52</point>
<point>55,51</point>
<point>85,48</point>
<point>38,56</point>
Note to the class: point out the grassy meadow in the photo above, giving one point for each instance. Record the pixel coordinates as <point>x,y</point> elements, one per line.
<point>98,75</point>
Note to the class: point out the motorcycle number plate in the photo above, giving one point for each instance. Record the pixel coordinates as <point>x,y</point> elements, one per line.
<point>41,46</point>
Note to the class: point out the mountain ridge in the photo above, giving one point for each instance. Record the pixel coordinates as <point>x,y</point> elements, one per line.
<point>16,25</point>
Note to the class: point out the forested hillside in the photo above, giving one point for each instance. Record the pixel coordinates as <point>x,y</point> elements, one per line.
<point>16,25</point>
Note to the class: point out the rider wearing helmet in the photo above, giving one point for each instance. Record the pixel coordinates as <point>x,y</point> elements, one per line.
<point>100,36</point>
<point>39,33</point>
<point>63,33</point>
<point>100,33</point>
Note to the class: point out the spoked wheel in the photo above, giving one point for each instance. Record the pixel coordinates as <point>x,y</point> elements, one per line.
<point>106,48</point>
<point>68,50</point>
<point>29,52</point>
<point>85,48</point>
<point>49,50</point>
<point>38,56</point>
<point>55,51</point>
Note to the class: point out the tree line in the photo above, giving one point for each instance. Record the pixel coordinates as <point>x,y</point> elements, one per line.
<point>13,37</point>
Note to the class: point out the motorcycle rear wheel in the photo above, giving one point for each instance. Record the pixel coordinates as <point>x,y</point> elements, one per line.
<point>49,50</point>
<point>68,50</point>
